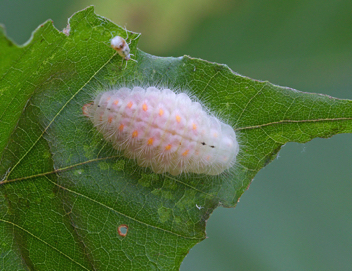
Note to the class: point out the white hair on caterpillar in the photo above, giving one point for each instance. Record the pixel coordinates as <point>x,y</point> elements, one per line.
<point>164,130</point>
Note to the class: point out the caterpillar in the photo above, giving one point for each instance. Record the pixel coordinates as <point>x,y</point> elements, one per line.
<point>164,130</point>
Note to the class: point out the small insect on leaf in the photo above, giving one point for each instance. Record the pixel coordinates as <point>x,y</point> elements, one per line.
<point>121,46</point>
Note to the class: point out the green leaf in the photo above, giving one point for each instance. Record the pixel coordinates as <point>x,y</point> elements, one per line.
<point>65,193</point>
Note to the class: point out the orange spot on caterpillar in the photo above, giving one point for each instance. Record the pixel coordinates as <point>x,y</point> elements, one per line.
<point>116,102</point>
<point>108,98</point>
<point>161,112</point>
<point>185,153</point>
<point>129,105</point>
<point>121,127</point>
<point>110,119</point>
<point>122,230</point>
<point>194,126</point>
<point>168,147</point>
<point>145,107</point>
<point>208,158</point>
<point>178,118</point>
<point>134,134</point>
<point>150,141</point>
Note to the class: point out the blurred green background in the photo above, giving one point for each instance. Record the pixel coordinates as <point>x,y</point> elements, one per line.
<point>297,214</point>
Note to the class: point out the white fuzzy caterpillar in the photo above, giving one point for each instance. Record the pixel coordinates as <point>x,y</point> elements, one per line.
<point>164,130</point>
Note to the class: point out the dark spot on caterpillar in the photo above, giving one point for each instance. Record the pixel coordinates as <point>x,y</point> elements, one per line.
<point>98,105</point>
<point>108,108</point>
<point>203,143</point>
<point>212,146</point>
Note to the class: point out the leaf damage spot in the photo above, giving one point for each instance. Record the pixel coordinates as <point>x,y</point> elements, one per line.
<point>78,172</point>
<point>148,180</point>
<point>66,30</point>
<point>122,230</point>
<point>103,166</point>
<point>119,165</point>
<point>164,214</point>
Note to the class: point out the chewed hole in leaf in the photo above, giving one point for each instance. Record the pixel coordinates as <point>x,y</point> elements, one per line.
<point>122,230</point>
